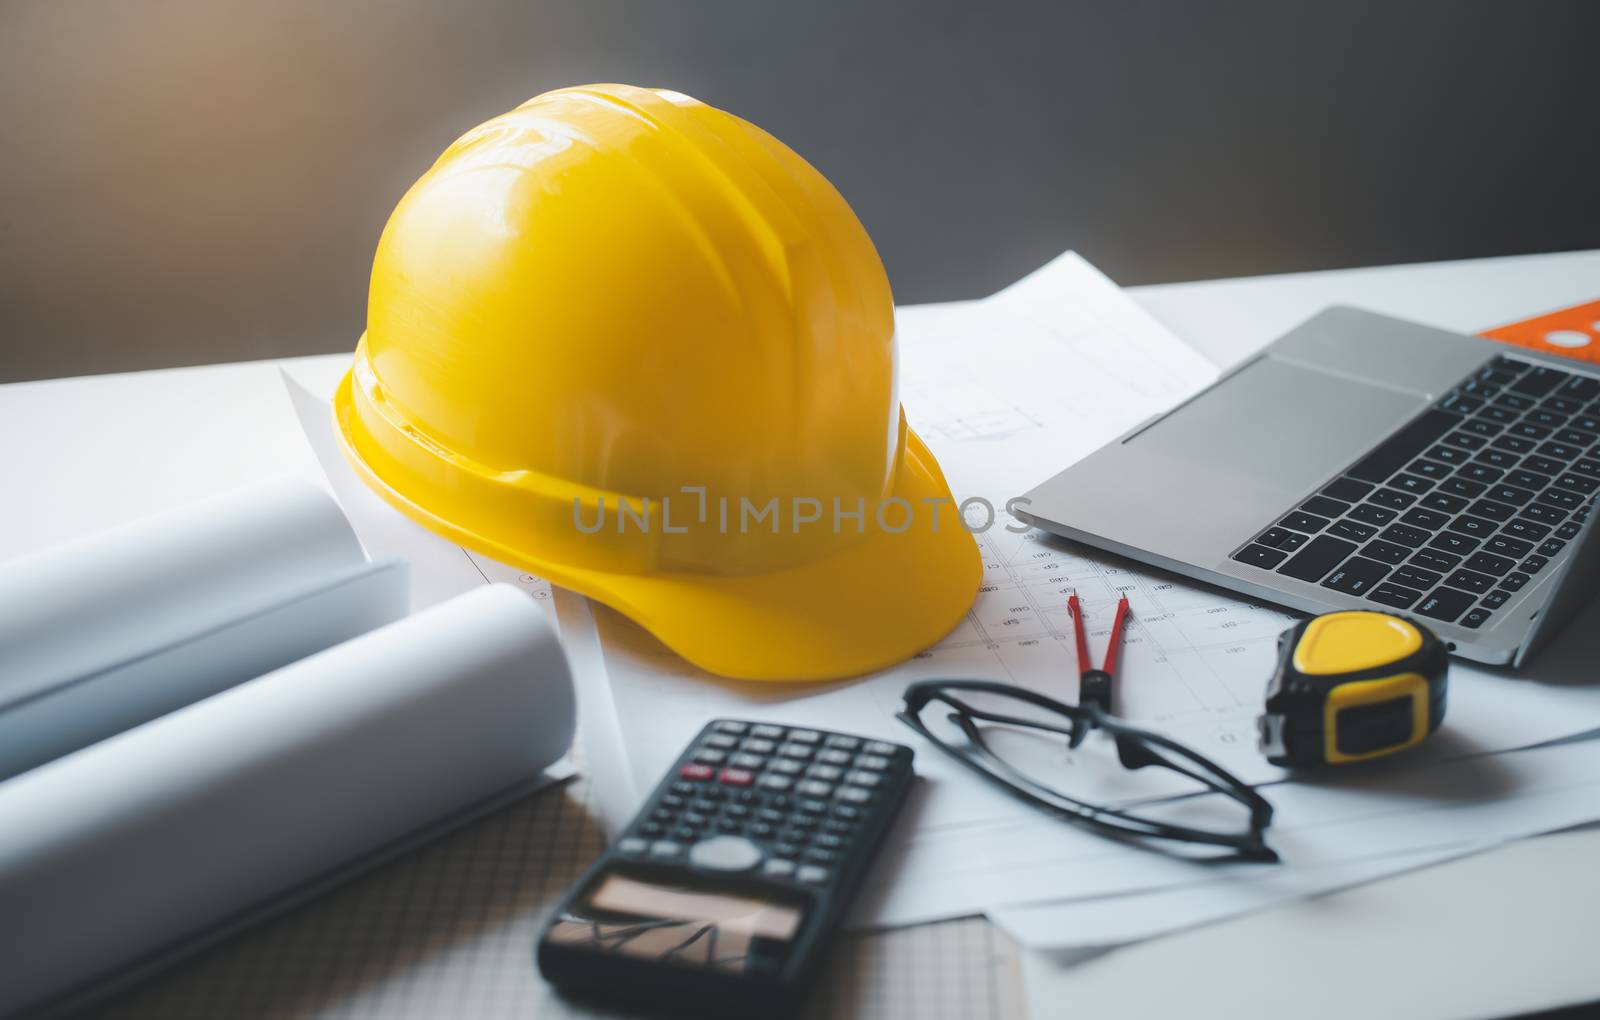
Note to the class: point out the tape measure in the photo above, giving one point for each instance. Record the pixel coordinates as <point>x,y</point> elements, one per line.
<point>1352,686</point>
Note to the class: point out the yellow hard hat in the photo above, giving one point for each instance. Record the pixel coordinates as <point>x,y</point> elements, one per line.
<point>638,346</point>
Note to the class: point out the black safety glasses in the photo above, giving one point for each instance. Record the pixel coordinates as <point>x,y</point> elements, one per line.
<point>1006,706</point>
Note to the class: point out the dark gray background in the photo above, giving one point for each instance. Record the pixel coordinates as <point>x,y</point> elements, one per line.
<point>195,181</point>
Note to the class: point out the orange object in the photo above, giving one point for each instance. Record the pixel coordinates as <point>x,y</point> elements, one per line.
<point>1571,332</point>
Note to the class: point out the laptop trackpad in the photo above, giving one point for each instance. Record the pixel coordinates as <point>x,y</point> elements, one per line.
<point>1262,439</point>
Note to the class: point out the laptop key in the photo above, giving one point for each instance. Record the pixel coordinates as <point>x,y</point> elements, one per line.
<point>1515,401</point>
<point>1353,530</point>
<point>1465,440</point>
<point>1561,498</point>
<point>1258,555</point>
<point>1544,465</point>
<point>1578,483</point>
<point>1477,527</point>
<point>1429,469</point>
<point>1299,521</point>
<point>1322,506</point>
<point>1415,577</point>
<point>1526,429</point>
<point>1370,514</point>
<point>1443,502</point>
<point>1453,542</point>
<point>1575,437</point>
<point>1587,422</point>
<point>1405,534</point>
<point>1413,484</point>
<point>1348,489</point>
<point>1388,552</point>
<point>1402,447</point>
<point>1444,604</point>
<point>1546,417</point>
<point>1563,405</point>
<point>1503,415</point>
<point>1510,494</point>
<point>1580,387</point>
<point>1534,564</point>
<point>1320,555</point>
<point>1552,546</point>
<point>1527,479</point>
<point>1587,466</point>
<point>1355,576</point>
<point>1475,617</point>
<point>1448,454</point>
<point>1569,530</point>
<point>1496,598</point>
<point>1481,427</point>
<point>1493,510</point>
<point>1514,581</point>
<point>1435,559</point>
<point>1392,498</point>
<point>1539,380</point>
<point>1470,580</point>
<point>1561,451</point>
<point>1505,545</point>
<point>1497,458</point>
<point>1461,403</point>
<point>1489,563</point>
<point>1481,473</point>
<point>1459,486</point>
<point>1515,444</point>
<point>1433,520</point>
<point>1523,528</point>
<point>1394,595</point>
<point>1544,513</point>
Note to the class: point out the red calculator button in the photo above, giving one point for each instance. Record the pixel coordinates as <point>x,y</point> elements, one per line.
<point>737,777</point>
<point>694,770</point>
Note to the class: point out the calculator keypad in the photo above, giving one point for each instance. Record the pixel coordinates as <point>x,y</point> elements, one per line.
<point>786,803</point>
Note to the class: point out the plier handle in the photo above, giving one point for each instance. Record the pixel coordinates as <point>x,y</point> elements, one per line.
<point>1094,685</point>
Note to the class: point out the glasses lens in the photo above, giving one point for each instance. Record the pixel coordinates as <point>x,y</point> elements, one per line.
<point>1026,746</point>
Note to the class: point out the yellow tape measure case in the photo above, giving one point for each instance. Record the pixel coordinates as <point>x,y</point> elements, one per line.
<point>1351,686</point>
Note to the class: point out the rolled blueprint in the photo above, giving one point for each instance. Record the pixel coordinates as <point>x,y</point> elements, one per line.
<point>110,631</point>
<point>130,847</point>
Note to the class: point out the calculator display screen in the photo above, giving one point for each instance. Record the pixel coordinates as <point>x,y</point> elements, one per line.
<point>694,926</point>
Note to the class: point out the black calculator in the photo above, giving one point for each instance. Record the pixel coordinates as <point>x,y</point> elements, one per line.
<point>721,893</point>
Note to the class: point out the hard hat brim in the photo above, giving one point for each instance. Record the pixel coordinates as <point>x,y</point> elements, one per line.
<point>876,603</point>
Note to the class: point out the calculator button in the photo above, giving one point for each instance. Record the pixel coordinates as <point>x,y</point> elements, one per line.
<point>651,828</point>
<point>840,741</point>
<point>826,773</point>
<point>770,732</point>
<point>821,856</point>
<point>761,830</point>
<point>787,767</point>
<point>662,814</point>
<point>665,848</point>
<point>736,811</point>
<point>785,850</point>
<point>866,779</point>
<point>854,795</point>
<point>697,771</point>
<point>834,757</point>
<point>736,777</point>
<point>835,826</point>
<point>805,736</point>
<point>686,833</point>
<point>695,819</point>
<point>747,761</point>
<point>756,745</point>
<point>873,762</point>
<point>632,846</point>
<point>812,875</point>
<point>770,816</point>
<point>881,747</point>
<point>722,741</point>
<point>848,812</point>
<point>704,805</point>
<point>729,824</point>
<point>813,788</point>
<point>795,751</point>
<point>803,821</point>
<point>725,853</point>
<point>795,836</point>
<point>772,782</point>
<point>731,726</point>
<point>813,807</point>
<point>672,800</point>
<point>710,756</point>
<point>828,841</point>
<point>679,786</point>
<point>778,868</point>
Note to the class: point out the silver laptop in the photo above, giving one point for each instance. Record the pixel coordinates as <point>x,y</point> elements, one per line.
<point>1365,462</point>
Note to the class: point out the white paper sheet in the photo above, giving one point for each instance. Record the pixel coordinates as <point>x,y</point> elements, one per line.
<point>1005,396</point>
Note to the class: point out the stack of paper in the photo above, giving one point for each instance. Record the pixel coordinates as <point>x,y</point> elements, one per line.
<point>1007,391</point>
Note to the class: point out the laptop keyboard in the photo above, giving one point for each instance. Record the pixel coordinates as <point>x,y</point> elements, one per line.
<point>1462,507</point>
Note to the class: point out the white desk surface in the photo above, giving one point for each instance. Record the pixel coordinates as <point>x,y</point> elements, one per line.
<point>1504,932</point>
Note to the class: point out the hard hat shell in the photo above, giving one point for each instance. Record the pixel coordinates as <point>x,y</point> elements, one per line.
<point>620,305</point>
